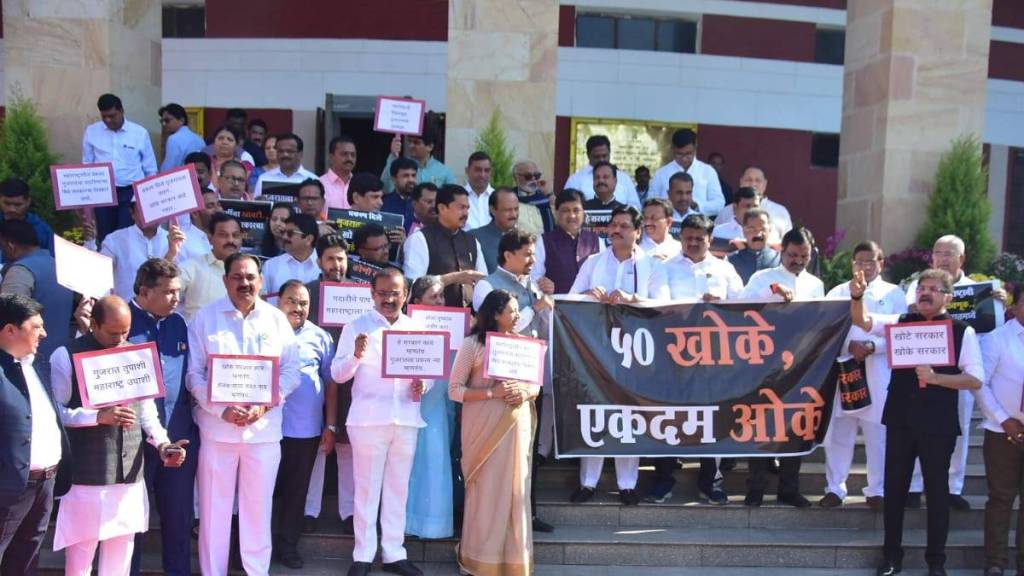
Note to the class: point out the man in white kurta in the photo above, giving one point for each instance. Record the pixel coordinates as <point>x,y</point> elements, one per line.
<point>657,241</point>
<point>104,513</point>
<point>707,190</point>
<point>621,274</point>
<point>383,425</point>
<point>881,297</point>
<point>238,441</point>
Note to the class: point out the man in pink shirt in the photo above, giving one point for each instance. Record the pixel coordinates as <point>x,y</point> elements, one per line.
<point>342,157</point>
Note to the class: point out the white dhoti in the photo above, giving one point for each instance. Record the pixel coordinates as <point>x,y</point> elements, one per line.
<point>382,461</point>
<point>220,465</point>
<point>107,516</point>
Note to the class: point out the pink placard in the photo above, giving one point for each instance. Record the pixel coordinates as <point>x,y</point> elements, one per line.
<point>435,350</point>
<point>243,370</point>
<point>432,318</point>
<point>83,185</point>
<point>120,375</point>
<point>914,344</point>
<point>395,115</point>
<point>355,301</point>
<point>515,358</point>
<point>163,196</point>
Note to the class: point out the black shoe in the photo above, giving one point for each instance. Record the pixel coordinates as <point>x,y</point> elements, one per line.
<point>715,496</point>
<point>629,497</point>
<point>346,526</point>
<point>403,567</point>
<point>359,569</point>
<point>795,499</point>
<point>653,498</point>
<point>830,500</point>
<point>913,501</point>
<point>773,465</point>
<point>309,524</point>
<point>958,502</point>
<point>291,559</point>
<point>542,526</point>
<point>581,495</point>
<point>727,464</point>
<point>754,498</point>
<point>889,569</point>
<point>936,571</point>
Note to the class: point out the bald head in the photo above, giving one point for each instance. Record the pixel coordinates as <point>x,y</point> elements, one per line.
<point>111,321</point>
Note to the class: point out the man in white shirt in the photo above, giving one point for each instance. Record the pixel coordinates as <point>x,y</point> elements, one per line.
<point>599,149</point>
<point>746,199</point>
<point>1003,354</point>
<point>790,281</point>
<point>289,164</point>
<point>657,242</point>
<point>130,247</point>
<point>680,194</point>
<point>107,503</point>
<point>383,426</point>
<point>921,417</point>
<point>707,192</point>
<point>620,274</point>
<point>238,442</point>
<point>299,260</point>
<point>478,185</point>
<point>196,243</point>
<point>869,351</point>
<point>696,275</point>
<point>127,146</point>
<point>202,279</point>
<point>754,177</point>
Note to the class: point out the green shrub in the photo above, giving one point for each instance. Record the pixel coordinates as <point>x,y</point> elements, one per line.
<point>494,142</point>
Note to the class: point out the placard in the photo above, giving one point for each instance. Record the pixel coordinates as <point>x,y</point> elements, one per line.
<point>284,192</point>
<point>361,271</point>
<point>83,185</point>
<point>118,375</point>
<point>167,194</point>
<point>508,357</point>
<point>399,115</point>
<point>243,380</point>
<point>343,302</point>
<point>449,319</point>
<point>597,221</point>
<point>975,305</point>
<point>84,271</point>
<point>415,354</point>
<point>346,222</point>
<point>253,216</point>
<point>916,344</point>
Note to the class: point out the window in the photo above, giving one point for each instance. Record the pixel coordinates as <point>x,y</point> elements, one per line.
<point>824,150</point>
<point>184,21</point>
<point>829,45</point>
<point>635,33</point>
<point>1014,227</point>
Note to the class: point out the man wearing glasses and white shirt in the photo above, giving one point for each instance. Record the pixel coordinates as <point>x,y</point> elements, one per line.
<point>599,150</point>
<point>707,191</point>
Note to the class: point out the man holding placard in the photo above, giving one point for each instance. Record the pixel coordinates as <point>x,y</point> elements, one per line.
<point>421,149</point>
<point>106,505</point>
<point>383,426</point>
<point>202,279</point>
<point>127,146</point>
<point>243,360</point>
<point>131,246</point>
<point>34,440</point>
<point>302,423</point>
<point>920,411</point>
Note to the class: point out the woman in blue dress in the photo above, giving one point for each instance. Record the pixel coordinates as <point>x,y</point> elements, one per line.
<point>429,509</point>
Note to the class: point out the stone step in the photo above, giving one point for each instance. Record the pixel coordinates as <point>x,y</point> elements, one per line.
<point>564,474</point>
<point>974,452</point>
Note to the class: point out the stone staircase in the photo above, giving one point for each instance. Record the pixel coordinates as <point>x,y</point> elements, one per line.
<point>683,536</point>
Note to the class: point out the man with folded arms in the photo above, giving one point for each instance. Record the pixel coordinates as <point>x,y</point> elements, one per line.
<point>106,505</point>
<point>238,441</point>
<point>383,426</point>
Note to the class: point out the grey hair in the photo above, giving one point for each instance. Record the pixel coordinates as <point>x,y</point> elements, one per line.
<point>956,241</point>
<point>422,284</point>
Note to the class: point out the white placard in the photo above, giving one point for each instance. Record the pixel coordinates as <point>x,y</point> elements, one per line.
<point>342,302</point>
<point>168,194</point>
<point>418,354</point>
<point>514,358</point>
<point>83,185</point>
<point>84,271</point>
<point>243,380</point>
<point>454,321</point>
<point>920,344</point>
<point>118,375</point>
<point>399,115</point>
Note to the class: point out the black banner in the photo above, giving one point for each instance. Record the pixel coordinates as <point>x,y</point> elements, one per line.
<point>253,216</point>
<point>347,221</point>
<point>730,379</point>
<point>361,271</point>
<point>275,192</point>
<point>973,304</point>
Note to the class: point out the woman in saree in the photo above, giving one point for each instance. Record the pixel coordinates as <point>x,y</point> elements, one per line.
<point>498,422</point>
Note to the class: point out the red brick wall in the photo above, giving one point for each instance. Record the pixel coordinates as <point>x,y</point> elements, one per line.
<point>757,38</point>
<point>278,120</point>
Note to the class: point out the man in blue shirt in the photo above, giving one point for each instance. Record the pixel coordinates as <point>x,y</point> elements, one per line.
<point>181,140</point>
<point>302,427</point>
<point>16,203</point>
<point>403,176</point>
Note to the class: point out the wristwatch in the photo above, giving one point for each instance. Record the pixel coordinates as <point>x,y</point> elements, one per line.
<point>332,428</point>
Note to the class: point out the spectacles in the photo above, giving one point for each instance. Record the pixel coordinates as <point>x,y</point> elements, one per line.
<point>923,288</point>
<point>239,277</point>
<point>297,303</point>
<point>387,293</point>
<point>530,175</point>
<point>291,233</point>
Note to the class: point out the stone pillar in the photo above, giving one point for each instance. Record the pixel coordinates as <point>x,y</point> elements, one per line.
<point>914,80</point>
<point>63,55</point>
<point>502,54</point>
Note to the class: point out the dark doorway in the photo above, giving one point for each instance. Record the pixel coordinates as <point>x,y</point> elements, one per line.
<point>373,147</point>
